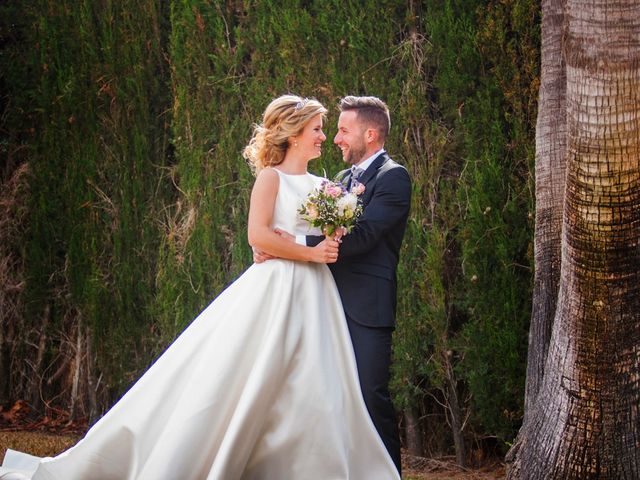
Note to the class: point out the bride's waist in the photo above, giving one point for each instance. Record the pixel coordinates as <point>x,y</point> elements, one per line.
<point>290,263</point>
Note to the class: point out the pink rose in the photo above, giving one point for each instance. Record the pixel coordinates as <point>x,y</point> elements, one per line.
<point>333,190</point>
<point>357,188</point>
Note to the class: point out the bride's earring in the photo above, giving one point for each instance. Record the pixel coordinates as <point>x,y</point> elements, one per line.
<point>295,143</point>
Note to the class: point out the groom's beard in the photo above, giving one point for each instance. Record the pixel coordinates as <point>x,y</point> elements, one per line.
<point>356,155</point>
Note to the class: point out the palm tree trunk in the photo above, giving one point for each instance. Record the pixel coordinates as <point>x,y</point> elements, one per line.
<point>550,169</point>
<point>584,421</point>
<point>551,150</point>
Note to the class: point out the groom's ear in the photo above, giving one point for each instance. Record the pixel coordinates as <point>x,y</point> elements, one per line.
<point>371,135</point>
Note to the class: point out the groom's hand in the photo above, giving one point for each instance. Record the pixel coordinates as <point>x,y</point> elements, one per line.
<point>259,256</point>
<point>339,233</point>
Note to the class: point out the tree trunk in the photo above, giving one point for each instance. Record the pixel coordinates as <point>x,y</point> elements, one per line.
<point>457,421</point>
<point>77,369</point>
<point>413,432</point>
<point>584,423</point>
<point>35,397</point>
<point>551,150</point>
<point>92,385</point>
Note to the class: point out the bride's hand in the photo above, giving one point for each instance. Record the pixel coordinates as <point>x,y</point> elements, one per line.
<point>326,251</point>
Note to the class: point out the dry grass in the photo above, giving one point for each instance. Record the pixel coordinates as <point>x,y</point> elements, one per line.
<point>415,468</point>
<point>420,468</point>
<point>36,443</point>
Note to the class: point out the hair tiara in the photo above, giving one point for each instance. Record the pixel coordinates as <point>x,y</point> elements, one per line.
<point>301,104</point>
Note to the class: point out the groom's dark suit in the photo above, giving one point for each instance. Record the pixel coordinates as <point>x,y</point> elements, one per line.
<point>365,274</point>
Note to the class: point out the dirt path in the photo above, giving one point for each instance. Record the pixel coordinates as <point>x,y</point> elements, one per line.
<point>45,444</point>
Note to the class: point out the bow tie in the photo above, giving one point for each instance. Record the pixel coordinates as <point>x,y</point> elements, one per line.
<point>356,172</point>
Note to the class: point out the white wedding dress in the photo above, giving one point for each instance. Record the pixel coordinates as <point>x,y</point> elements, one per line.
<point>262,385</point>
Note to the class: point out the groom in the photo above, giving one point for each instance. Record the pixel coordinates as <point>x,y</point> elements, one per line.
<point>365,272</point>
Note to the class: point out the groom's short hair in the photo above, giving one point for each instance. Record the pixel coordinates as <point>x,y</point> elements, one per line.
<point>371,111</point>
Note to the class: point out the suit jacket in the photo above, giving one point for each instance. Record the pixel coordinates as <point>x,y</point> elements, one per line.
<point>365,272</point>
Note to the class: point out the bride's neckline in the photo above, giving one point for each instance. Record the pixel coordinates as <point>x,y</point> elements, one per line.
<point>291,174</point>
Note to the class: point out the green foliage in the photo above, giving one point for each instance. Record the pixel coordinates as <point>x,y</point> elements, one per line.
<point>493,115</point>
<point>96,103</point>
<point>200,234</point>
<point>132,118</point>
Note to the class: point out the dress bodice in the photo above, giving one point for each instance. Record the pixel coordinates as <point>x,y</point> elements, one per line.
<point>292,193</point>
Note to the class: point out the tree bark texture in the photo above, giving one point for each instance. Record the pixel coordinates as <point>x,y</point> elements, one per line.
<point>413,432</point>
<point>551,149</point>
<point>585,421</point>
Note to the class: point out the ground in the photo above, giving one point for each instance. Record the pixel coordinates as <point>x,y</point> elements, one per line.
<point>42,443</point>
<point>419,468</point>
<point>49,436</point>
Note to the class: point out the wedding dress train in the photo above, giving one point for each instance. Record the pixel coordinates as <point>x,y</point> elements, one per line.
<point>262,385</point>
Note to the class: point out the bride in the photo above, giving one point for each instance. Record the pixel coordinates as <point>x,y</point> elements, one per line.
<point>263,383</point>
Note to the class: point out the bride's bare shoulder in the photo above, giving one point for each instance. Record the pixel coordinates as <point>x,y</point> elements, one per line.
<point>268,176</point>
<point>265,186</point>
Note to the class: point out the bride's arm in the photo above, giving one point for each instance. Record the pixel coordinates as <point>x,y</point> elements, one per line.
<point>261,234</point>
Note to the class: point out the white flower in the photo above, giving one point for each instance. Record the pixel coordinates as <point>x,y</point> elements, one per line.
<point>347,205</point>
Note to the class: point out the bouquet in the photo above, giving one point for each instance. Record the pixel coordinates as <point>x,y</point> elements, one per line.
<point>331,206</point>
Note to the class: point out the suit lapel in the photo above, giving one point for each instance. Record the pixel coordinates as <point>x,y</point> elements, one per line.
<point>370,172</point>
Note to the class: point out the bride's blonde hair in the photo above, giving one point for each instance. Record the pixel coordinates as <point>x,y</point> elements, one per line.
<point>285,117</point>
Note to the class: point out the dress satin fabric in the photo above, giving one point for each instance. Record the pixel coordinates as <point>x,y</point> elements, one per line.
<point>262,385</point>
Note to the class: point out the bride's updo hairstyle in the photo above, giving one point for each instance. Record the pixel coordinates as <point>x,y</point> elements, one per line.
<point>285,117</point>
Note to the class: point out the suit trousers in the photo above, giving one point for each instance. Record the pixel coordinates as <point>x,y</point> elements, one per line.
<point>372,347</point>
